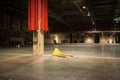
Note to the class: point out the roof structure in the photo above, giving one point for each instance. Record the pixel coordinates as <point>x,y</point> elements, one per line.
<point>73,15</point>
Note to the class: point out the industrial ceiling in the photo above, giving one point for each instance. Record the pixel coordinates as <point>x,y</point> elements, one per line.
<point>73,15</point>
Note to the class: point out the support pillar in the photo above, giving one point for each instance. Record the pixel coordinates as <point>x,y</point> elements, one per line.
<point>41,42</point>
<point>96,38</point>
<point>71,38</point>
<point>38,23</point>
<point>118,38</point>
<point>38,43</point>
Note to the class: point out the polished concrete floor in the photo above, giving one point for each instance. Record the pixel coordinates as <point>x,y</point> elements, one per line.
<point>90,62</point>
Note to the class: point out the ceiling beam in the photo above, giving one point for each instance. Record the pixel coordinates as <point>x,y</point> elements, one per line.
<point>102,2</point>
<point>103,6</point>
<point>77,5</point>
<point>59,18</point>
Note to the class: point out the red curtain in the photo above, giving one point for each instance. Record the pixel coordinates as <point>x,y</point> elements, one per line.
<point>37,15</point>
<point>44,15</point>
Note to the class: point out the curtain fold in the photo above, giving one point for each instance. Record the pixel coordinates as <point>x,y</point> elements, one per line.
<point>37,15</point>
<point>44,15</point>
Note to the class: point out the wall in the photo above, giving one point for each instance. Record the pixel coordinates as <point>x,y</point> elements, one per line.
<point>88,38</point>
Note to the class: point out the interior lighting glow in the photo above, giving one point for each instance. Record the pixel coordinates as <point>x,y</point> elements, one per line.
<point>89,40</point>
<point>110,40</point>
<point>56,38</point>
<point>103,40</point>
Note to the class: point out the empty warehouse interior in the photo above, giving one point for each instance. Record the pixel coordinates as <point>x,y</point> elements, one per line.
<point>87,29</point>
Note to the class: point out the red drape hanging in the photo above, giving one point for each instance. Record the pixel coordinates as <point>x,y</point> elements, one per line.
<point>44,15</point>
<point>37,15</point>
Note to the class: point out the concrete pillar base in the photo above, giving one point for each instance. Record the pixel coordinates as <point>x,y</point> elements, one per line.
<point>38,43</point>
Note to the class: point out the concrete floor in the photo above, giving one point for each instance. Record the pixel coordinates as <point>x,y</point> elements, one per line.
<point>90,62</point>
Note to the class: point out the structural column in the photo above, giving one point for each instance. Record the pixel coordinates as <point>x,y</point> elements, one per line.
<point>38,43</point>
<point>96,38</point>
<point>38,23</point>
<point>118,38</point>
<point>71,37</point>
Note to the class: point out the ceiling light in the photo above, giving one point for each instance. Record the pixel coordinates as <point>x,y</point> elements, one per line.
<point>88,14</point>
<point>93,22</point>
<point>83,7</point>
